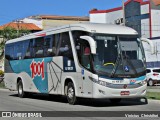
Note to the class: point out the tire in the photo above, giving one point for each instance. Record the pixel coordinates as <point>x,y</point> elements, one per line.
<point>21,92</point>
<point>115,100</point>
<point>150,82</point>
<point>71,97</point>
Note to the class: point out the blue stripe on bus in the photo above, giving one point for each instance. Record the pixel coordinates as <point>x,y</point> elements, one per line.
<point>19,66</point>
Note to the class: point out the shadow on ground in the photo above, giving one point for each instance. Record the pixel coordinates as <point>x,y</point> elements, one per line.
<point>86,102</point>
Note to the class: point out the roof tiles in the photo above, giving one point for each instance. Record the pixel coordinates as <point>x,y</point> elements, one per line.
<point>156,2</point>
<point>28,26</point>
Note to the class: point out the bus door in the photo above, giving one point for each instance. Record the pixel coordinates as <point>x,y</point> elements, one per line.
<point>86,69</point>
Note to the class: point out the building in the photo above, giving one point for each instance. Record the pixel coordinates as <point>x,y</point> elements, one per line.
<point>143,16</point>
<point>50,21</point>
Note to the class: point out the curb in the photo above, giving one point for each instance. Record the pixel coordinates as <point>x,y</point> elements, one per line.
<point>153,90</point>
<point>155,101</point>
<point>4,89</point>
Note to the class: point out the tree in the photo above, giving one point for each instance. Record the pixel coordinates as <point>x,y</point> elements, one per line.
<point>10,33</point>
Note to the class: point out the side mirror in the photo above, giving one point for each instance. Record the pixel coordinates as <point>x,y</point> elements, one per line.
<point>92,43</point>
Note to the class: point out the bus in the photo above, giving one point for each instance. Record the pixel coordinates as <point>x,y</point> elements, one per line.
<point>85,60</point>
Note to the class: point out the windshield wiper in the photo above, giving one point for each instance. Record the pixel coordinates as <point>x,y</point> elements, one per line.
<point>116,66</point>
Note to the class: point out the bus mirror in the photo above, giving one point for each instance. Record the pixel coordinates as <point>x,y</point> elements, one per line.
<point>92,43</point>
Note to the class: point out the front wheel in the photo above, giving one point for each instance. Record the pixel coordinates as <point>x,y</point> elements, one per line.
<point>71,97</point>
<point>21,92</point>
<point>150,82</point>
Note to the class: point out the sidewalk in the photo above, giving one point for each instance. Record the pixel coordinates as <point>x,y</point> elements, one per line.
<point>153,88</point>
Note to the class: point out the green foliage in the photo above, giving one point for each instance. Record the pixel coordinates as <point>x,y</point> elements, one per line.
<point>1,73</point>
<point>2,85</point>
<point>10,33</point>
<point>153,95</point>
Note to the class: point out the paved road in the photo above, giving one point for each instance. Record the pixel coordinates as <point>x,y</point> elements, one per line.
<point>37,102</point>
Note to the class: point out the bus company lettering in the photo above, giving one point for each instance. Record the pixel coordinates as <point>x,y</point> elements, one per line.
<point>37,69</point>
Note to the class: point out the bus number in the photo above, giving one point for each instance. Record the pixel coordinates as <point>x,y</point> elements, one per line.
<point>37,69</point>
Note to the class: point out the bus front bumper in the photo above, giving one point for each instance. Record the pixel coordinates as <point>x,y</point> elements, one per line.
<point>100,91</point>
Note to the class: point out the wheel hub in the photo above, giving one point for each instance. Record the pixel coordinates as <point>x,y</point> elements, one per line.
<point>70,92</point>
<point>20,89</point>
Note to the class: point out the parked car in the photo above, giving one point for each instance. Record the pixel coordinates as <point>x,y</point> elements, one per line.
<point>153,76</point>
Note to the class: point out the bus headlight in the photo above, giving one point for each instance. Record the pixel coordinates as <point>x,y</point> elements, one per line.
<point>100,82</point>
<point>143,82</point>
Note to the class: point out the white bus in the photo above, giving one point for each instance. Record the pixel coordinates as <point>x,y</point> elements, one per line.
<point>80,60</point>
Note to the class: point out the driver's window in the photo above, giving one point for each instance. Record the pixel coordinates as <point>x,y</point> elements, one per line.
<point>86,54</point>
<point>82,48</point>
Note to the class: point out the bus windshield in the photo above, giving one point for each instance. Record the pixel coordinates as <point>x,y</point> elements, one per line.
<point>118,56</point>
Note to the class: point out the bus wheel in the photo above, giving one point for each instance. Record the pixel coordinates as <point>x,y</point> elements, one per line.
<point>21,92</point>
<point>115,100</point>
<point>71,97</point>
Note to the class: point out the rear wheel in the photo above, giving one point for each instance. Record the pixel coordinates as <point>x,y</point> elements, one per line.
<point>150,82</point>
<point>21,92</point>
<point>71,97</point>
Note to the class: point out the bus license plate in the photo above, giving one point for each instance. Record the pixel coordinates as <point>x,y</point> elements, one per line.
<point>125,92</point>
<point>117,81</point>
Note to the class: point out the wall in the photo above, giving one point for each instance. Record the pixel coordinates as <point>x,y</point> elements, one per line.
<point>145,28</point>
<point>155,15</point>
<point>98,18</point>
<point>112,16</point>
<point>37,22</point>
<point>54,23</point>
<point>153,60</point>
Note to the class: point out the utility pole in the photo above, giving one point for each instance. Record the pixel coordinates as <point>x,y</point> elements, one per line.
<point>17,22</point>
<point>123,8</point>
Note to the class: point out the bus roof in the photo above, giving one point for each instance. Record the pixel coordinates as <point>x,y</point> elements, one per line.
<point>89,27</point>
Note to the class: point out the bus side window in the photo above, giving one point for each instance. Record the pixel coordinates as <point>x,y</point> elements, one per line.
<point>49,48</point>
<point>18,50</point>
<point>65,48</point>
<point>82,48</point>
<point>9,50</point>
<point>38,48</point>
<point>86,54</point>
<point>28,49</point>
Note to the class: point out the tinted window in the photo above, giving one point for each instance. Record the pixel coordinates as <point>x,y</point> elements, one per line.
<point>9,51</point>
<point>38,47</point>
<point>148,71</point>
<point>156,70</point>
<point>49,47</point>
<point>82,48</point>
<point>64,48</point>
<point>29,49</point>
<point>20,49</point>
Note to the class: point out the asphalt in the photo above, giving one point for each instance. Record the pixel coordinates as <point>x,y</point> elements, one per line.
<point>9,101</point>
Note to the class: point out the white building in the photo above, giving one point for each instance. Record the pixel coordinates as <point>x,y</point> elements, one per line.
<point>143,16</point>
<point>50,21</point>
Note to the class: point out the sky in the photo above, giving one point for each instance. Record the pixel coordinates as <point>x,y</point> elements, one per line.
<point>16,9</point>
